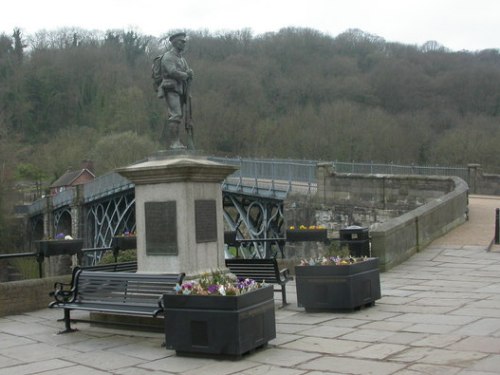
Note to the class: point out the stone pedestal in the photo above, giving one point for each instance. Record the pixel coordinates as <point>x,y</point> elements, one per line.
<point>179,216</point>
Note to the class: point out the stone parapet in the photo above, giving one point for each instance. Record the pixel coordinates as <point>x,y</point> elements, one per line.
<point>18,297</point>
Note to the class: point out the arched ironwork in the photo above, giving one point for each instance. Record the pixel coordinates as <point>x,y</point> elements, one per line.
<point>110,217</point>
<point>258,223</point>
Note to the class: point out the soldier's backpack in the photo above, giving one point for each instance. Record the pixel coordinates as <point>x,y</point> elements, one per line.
<point>156,73</point>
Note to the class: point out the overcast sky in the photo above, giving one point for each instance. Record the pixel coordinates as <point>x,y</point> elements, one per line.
<point>457,24</point>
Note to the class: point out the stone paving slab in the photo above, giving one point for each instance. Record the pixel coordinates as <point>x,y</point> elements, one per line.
<point>439,314</point>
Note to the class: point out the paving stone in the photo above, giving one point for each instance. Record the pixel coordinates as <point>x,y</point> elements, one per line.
<point>148,350</point>
<point>404,337</point>
<point>419,369</point>
<point>283,357</point>
<point>378,351</point>
<point>478,344</point>
<point>7,362</point>
<point>452,357</point>
<point>367,335</point>
<point>272,370</point>
<point>386,326</point>
<point>74,370</point>
<point>35,367</point>
<point>37,352</point>
<point>322,345</point>
<point>283,338</point>
<point>345,322</point>
<point>438,341</point>
<point>223,368</point>
<point>434,319</point>
<point>104,360</point>
<point>326,331</point>
<point>314,318</point>
<point>139,371</point>
<point>100,343</point>
<point>352,366</point>
<point>483,327</point>
<point>176,364</point>
<point>291,328</point>
<point>7,341</point>
<point>490,363</point>
<point>431,328</point>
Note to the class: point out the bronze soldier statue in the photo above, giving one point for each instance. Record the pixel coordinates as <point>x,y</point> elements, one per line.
<point>175,88</point>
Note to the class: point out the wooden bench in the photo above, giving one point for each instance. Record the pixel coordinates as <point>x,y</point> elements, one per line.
<point>113,267</point>
<point>261,270</point>
<point>113,292</point>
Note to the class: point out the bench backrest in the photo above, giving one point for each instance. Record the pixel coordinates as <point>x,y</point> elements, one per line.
<point>121,288</point>
<point>114,267</point>
<point>258,269</point>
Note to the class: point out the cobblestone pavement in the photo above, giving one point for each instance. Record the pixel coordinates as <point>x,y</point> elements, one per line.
<point>439,314</point>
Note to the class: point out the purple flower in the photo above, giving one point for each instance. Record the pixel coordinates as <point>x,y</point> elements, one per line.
<point>212,289</point>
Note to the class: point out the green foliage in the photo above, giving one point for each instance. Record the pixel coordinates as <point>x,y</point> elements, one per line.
<point>123,256</point>
<point>28,268</point>
<point>74,94</point>
<point>119,149</point>
<point>335,249</point>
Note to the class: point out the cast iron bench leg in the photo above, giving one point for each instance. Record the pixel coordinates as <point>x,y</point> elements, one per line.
<point>67,322</point>
<point>283,293</point>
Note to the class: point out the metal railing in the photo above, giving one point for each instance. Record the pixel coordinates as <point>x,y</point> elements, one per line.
<point>391,168</point>
<point>257,175</point>
<point>274,174</point>
<point>85,260</point>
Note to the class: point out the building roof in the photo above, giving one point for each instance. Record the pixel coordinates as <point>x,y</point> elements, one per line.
<point>68,178</point>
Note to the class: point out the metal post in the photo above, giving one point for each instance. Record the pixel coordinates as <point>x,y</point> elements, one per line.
<point>497,226</point>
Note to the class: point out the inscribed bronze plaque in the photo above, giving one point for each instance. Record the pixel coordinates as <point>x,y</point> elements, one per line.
<point>205,216</point>
<point>161,228</point>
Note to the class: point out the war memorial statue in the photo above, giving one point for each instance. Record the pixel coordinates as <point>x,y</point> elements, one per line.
<point>172,80</point>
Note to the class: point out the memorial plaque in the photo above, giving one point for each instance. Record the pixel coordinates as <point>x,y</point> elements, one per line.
<point>161,228</point>
<point>205,216</point>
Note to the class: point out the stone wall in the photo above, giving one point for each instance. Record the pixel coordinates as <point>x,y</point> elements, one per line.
<point>404,213</point>
<point>17,297</point>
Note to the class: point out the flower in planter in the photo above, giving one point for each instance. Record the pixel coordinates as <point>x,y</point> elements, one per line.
<point>217,283</point>
<point>335,255</point>
<point>329,261</point>
<point>310,227</point>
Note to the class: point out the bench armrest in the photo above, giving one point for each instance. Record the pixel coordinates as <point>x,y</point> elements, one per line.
<point>62,293</point>
<point>285,274</point>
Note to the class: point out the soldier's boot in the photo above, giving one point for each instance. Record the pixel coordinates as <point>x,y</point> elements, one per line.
<point>173,132</point>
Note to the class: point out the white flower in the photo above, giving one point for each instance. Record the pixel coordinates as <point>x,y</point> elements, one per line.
<point>222,291</point>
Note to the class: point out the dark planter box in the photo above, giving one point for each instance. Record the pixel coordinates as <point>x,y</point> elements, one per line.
<point>124,242</point>
<point>48,248</point>
<point>219,325</point>
<point>345,287</point>
<point>230,238</point>
<point>306,235</point>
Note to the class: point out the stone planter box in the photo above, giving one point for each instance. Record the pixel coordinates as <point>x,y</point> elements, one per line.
<point>299,235</point>
<point>47,248</point>
<point>124,242</point>
<point>219,325</point>
<point>344,287</point>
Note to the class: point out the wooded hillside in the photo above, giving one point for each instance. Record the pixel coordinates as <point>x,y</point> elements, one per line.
<point>70,95</point>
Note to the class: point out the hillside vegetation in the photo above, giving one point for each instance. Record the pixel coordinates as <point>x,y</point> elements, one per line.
<point>70,95</point>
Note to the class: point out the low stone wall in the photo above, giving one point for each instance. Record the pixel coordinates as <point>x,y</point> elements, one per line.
<point>17,297</point>
<point>404,213</point>
<point>397,239</point>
